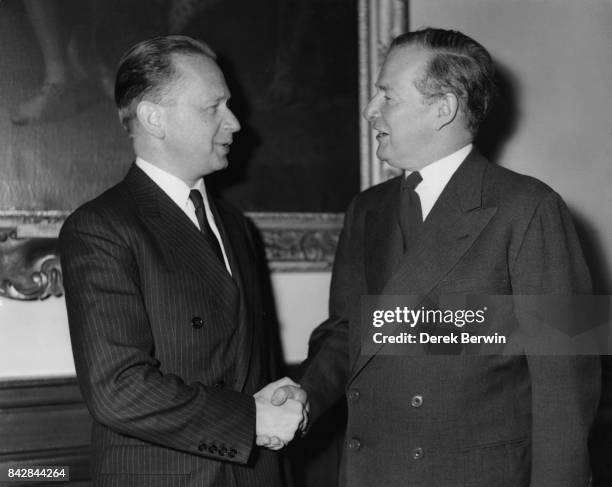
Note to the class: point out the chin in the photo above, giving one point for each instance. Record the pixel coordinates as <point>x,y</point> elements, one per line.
<point>381,155</point>
<point>395,164</point>
<point>386,159</point>
<point>220,164</point>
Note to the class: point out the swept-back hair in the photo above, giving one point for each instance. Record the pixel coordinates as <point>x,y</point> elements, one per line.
<point>457,64</point>
<point>147,71</point>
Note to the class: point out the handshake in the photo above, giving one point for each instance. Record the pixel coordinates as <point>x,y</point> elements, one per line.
<point>281,410</point>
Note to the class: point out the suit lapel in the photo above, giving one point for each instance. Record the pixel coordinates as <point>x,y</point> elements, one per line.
<point>454,223</point>
<point>180,241</point>
<point>383,246</point>
<point>232,234</point>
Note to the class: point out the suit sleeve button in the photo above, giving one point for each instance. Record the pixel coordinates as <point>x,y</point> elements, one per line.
<point>416,401</point>
<point>197,322</point>
<point>354,395</point>
<point>232,453</point>
<point>212,449</point>
<point>222,451</point>
<point>202,447</point>
<point>417,453</point>
<point>220,384</point>
<point>354,444</point>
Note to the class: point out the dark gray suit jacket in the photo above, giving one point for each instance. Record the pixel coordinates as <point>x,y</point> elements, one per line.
<point>432,420</point>
<point>168,347</point>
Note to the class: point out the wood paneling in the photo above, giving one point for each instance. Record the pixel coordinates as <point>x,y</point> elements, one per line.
<point>45,422</point>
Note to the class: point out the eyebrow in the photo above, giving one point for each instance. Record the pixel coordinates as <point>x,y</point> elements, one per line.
<point>217,99</point>
<point>385,88</point>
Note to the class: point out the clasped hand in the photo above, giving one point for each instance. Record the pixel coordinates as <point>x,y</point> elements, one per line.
<point>281,410</point>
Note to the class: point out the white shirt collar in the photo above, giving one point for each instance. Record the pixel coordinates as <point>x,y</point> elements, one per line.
<point>436,176</point>
<point>178,191</point>
<point>174,187</point>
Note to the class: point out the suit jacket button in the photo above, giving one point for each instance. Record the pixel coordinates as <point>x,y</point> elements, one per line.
<point>416,401</point>
<point>212,449</point>
<point>417,453</point>
<point>202,446</point>
<point>354,395</point>
<point>197,322</point>
<point>232,453</point>
<point>222,451</point>
<point>220,384</point>
<point>354,444</point>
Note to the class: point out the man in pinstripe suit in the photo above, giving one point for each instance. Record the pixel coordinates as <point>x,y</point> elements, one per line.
<point>165,318</point>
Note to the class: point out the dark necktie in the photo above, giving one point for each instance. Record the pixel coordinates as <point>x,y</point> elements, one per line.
<point>410,214</point>
<point>198,202</point>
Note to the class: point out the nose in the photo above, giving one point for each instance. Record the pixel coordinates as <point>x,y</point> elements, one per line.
<point>370,112</point>
<point>231,122</point>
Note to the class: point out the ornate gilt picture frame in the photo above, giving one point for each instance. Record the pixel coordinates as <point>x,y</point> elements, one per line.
<point>29,262</point>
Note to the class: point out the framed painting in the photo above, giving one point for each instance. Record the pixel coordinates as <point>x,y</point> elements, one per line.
<point>300,73</point>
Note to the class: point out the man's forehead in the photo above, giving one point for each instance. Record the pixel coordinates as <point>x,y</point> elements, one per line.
<point>402,63</point>
<point>196,64</point>
<point>203,72</point>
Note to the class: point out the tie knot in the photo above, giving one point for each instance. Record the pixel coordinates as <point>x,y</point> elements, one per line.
<point>196,198</point>
<point>412,181</point>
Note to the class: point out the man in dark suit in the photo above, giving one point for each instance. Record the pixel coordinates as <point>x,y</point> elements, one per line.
<point>162,293</point>
<point>453,223</point>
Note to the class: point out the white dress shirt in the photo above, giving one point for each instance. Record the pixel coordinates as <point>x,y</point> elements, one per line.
<point>436,176</point>
<point>178,191</point>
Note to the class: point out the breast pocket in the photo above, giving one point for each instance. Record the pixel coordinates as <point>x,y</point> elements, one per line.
<point>473,285</point>
<point>475,303</point>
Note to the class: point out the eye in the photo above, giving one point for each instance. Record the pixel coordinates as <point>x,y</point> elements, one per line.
<point>211,108</point>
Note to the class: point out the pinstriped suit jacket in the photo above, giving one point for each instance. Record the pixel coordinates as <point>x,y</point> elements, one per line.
<point>168,347</point>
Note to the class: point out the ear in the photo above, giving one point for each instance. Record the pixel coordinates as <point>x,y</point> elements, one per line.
<point>447,108</point>
<point>149,116</point>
